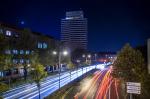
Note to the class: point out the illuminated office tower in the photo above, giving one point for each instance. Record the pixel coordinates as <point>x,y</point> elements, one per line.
<point>74,30</point>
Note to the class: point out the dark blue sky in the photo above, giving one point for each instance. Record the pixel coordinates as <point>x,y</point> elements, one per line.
<point>112,23</point>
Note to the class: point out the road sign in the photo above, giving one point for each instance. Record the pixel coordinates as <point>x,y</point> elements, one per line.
<point>134,87</point>
<point>133,84</point>
<point>133,92</point>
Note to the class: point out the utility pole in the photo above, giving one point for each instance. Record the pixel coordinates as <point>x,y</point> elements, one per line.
<point>60,53</point>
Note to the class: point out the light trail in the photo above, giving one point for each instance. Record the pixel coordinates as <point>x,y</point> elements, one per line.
<point>106,85</point>
<point>103,81</point>
<point>48,85</point>
<point>94,80</point>
<point>103,86</point>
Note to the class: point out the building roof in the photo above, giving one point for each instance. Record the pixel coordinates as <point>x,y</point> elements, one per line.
<point>20,29</point>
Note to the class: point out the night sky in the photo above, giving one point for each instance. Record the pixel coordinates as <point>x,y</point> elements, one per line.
<point>111,23</point>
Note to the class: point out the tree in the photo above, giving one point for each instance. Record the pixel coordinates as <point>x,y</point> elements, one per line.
<point>3,86</point>
<point>129,66</point>
<point>7,66</point>
<point>145,81</point>
<point>70,65</point>
<point>37,72</point>
<point>47,58</point>
<point>2,56</point>
<point>84,63</point>
<point>26,43</point>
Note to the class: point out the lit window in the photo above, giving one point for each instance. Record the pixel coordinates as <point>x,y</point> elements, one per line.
<point>8,33</point>
<point>27,52</point>
<point>15,61</point>
<point>1,74</point>
<point>21,52</point>
<point>21,61</point>
<point>15,51</point>
<point>7,52</point>
<point>44,45</point>
<point>39,45</point>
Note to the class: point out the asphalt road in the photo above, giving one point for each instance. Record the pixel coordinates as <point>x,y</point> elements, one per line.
<point>48,85</point>
<point>99,85</point>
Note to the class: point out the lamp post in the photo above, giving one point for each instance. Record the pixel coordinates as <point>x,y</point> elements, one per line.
<point>86,57</point>
<point>59,60</point>
<point>89,57</point>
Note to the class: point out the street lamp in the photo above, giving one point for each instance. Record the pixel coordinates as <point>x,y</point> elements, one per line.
<point>83,55</point>
<point>89,56</point>
<point>59,60</point>
<point>65,53</point>
<point>86,57</point>
<point>54,52</point>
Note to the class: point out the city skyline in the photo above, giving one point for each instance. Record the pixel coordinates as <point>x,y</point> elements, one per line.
<point>126,20</point>
<point>81,49</point>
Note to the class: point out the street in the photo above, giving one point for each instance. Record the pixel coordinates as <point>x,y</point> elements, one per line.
<point>48,86</point>
<point>99,85</point>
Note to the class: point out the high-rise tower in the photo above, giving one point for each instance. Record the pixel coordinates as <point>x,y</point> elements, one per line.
<point>74,30</point>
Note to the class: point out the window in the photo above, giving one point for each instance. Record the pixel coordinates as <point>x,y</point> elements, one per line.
<point>21,61</point>
<point>21,52</point>
<point>8,33</point>
<point>44,45</point>
<point>1,74</point>
<point>7,52</point>
<point>15,51</point>
<point>15,61</point>
<point>39,45</point>
<point>27,52</point>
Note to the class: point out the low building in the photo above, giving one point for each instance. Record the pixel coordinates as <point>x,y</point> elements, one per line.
<point>106,57</point>
<point>21,43</point>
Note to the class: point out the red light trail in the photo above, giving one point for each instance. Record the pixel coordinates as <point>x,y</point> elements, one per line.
<point>102,85</point>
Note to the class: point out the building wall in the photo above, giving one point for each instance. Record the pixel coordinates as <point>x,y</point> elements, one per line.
<point>20,43</point>
<point>148,49</point>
